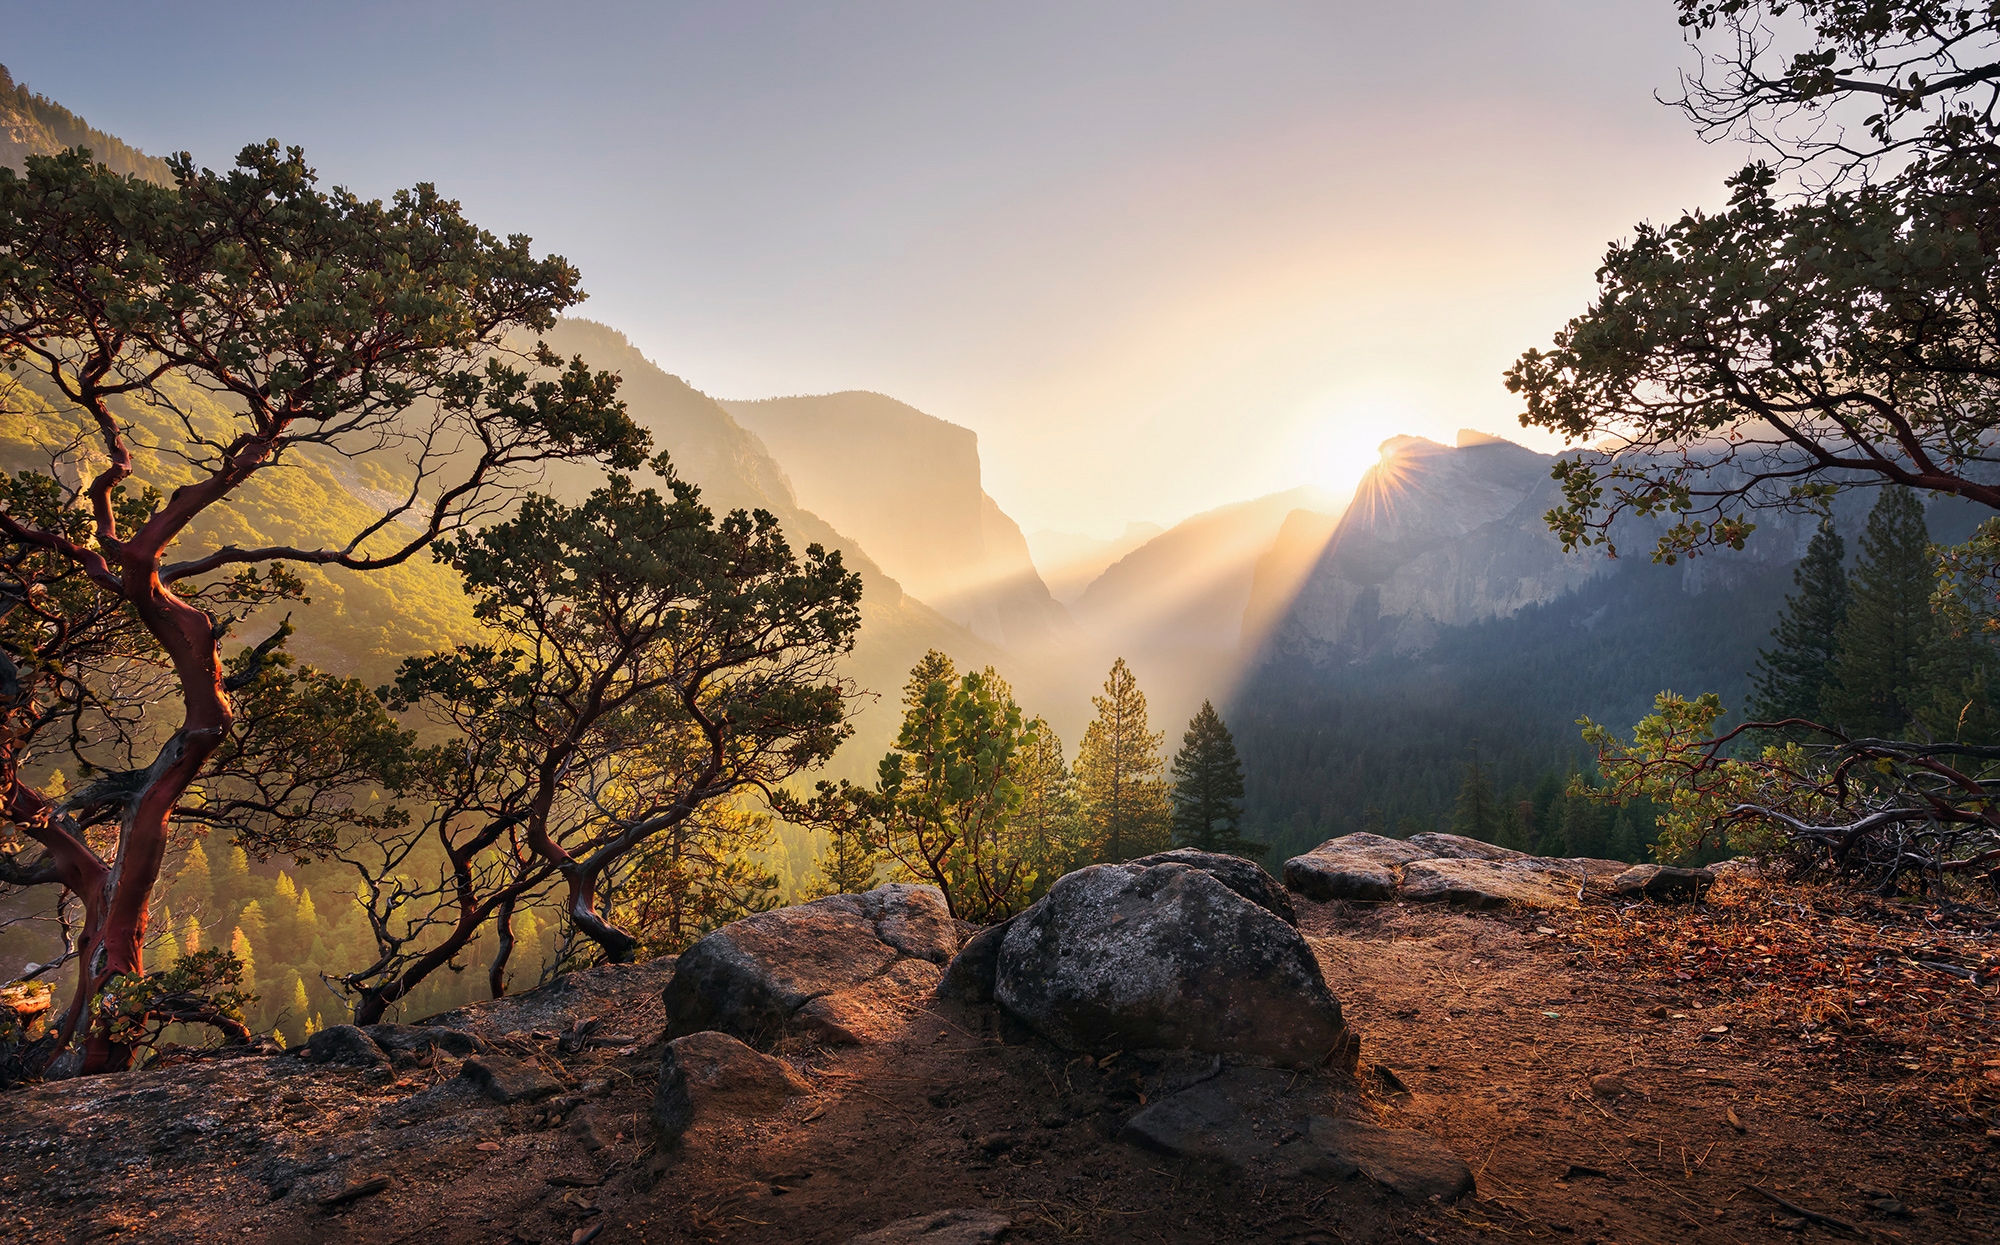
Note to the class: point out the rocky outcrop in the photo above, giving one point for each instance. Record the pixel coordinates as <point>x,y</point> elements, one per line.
<point>1164,953</point>
<point>714,1074</point>
<point>1445,868</point>
<point>835,968</point>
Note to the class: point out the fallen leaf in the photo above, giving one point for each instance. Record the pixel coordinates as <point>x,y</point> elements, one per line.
<point>1733,1121</point>
<point>487,1145</point>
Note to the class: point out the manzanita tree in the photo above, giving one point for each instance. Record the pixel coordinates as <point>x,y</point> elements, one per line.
<point>648,660</point>
<point>326,328</point>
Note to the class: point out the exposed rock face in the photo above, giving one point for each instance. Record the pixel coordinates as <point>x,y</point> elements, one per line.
<point>1448,868</point>
<point>1663,883</point>
<point>1251,1121</point>
<point>706,1073</point>
<point>1165,955</point>
<point>1531,883</point>
<point>828,967</point>
<point>1353,866</point>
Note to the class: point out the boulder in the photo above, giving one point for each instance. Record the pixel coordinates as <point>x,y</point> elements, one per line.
<point>939,1227</point>
<point>755,977</point>
<point>871,1011</point>
<point>346,1046</point>
<point>1165,956</point>
<point>1353,866</point>
<point>969,976</point>
<point>1246,877</point>
<point>1663,883</point>
<point>1529,881</point>
<point>713,1073</point>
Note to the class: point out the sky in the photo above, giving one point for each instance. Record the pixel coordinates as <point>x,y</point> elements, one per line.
<point>1159,256</point>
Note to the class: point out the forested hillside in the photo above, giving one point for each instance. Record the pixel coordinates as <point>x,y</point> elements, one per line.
<point>35,125</point>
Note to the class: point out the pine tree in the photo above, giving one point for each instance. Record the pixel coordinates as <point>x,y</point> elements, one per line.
<point>190,935</point>
<point>193,888</point>
<point>848,866</point>
<point>240,947</point>
<point>1119,772</point>
<point>1049,822</point>
<point>1476,813</point>
<point>1792,678</point>
<point>1208,789</point>
<point>1887,645</point>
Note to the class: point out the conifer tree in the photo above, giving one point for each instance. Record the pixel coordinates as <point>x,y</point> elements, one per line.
<point>1049,822</point>
<point>1208,789</point>
<point>193,888</point>
<point>190,937</point>
<point>1476,813</point>
<point>240,947</point>
<point>1792,677</point>
<point>1887,644</point>
<point>1119,772</point>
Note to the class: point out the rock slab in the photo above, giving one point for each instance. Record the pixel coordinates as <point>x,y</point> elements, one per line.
<point>509,1081</point>
<point>1442,868</point>
<point>1167,956</point>
<point>940,1227</point>
<point>825,967</point>
<point>714,1074</point>
<point>1400,1159</point>
<point>1256,1121</point>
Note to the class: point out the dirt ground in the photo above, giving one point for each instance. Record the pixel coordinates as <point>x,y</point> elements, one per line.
<point>1491,1028</point>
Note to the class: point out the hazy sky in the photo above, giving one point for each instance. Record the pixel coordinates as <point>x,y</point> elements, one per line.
<point>1159,256</point>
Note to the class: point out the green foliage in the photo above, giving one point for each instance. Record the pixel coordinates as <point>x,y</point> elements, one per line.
<point>1119,773</point>
<point>1054,838</point>
<point>1793,676</point>
<point>1476,813</point>
<point>201,988</point>
<point>1208,789</point>
<point>947,793</point>
<point>649,659</point>
<point>1888,642</point>
<point>700,874</point>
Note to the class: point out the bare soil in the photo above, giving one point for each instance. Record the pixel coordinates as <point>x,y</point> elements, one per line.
<point>1484,1030</point>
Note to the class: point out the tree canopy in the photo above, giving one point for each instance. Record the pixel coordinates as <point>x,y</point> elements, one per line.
<point>329,328</point>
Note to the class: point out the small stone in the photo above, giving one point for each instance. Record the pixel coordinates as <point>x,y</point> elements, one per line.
<point>1891,1207</point>
<point>1608,1085</point>
<point>1660,1013</point>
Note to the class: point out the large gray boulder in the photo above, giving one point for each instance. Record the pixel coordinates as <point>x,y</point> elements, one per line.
<point>1442,868</point>
<point>1165,955</point>
<point>1246,877</point>
<point>836,968</point>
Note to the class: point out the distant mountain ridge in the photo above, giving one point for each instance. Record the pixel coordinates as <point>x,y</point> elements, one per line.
<point>907,486</point>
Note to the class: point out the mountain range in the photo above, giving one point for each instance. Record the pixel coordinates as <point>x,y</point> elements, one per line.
<point>1359,646</point>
